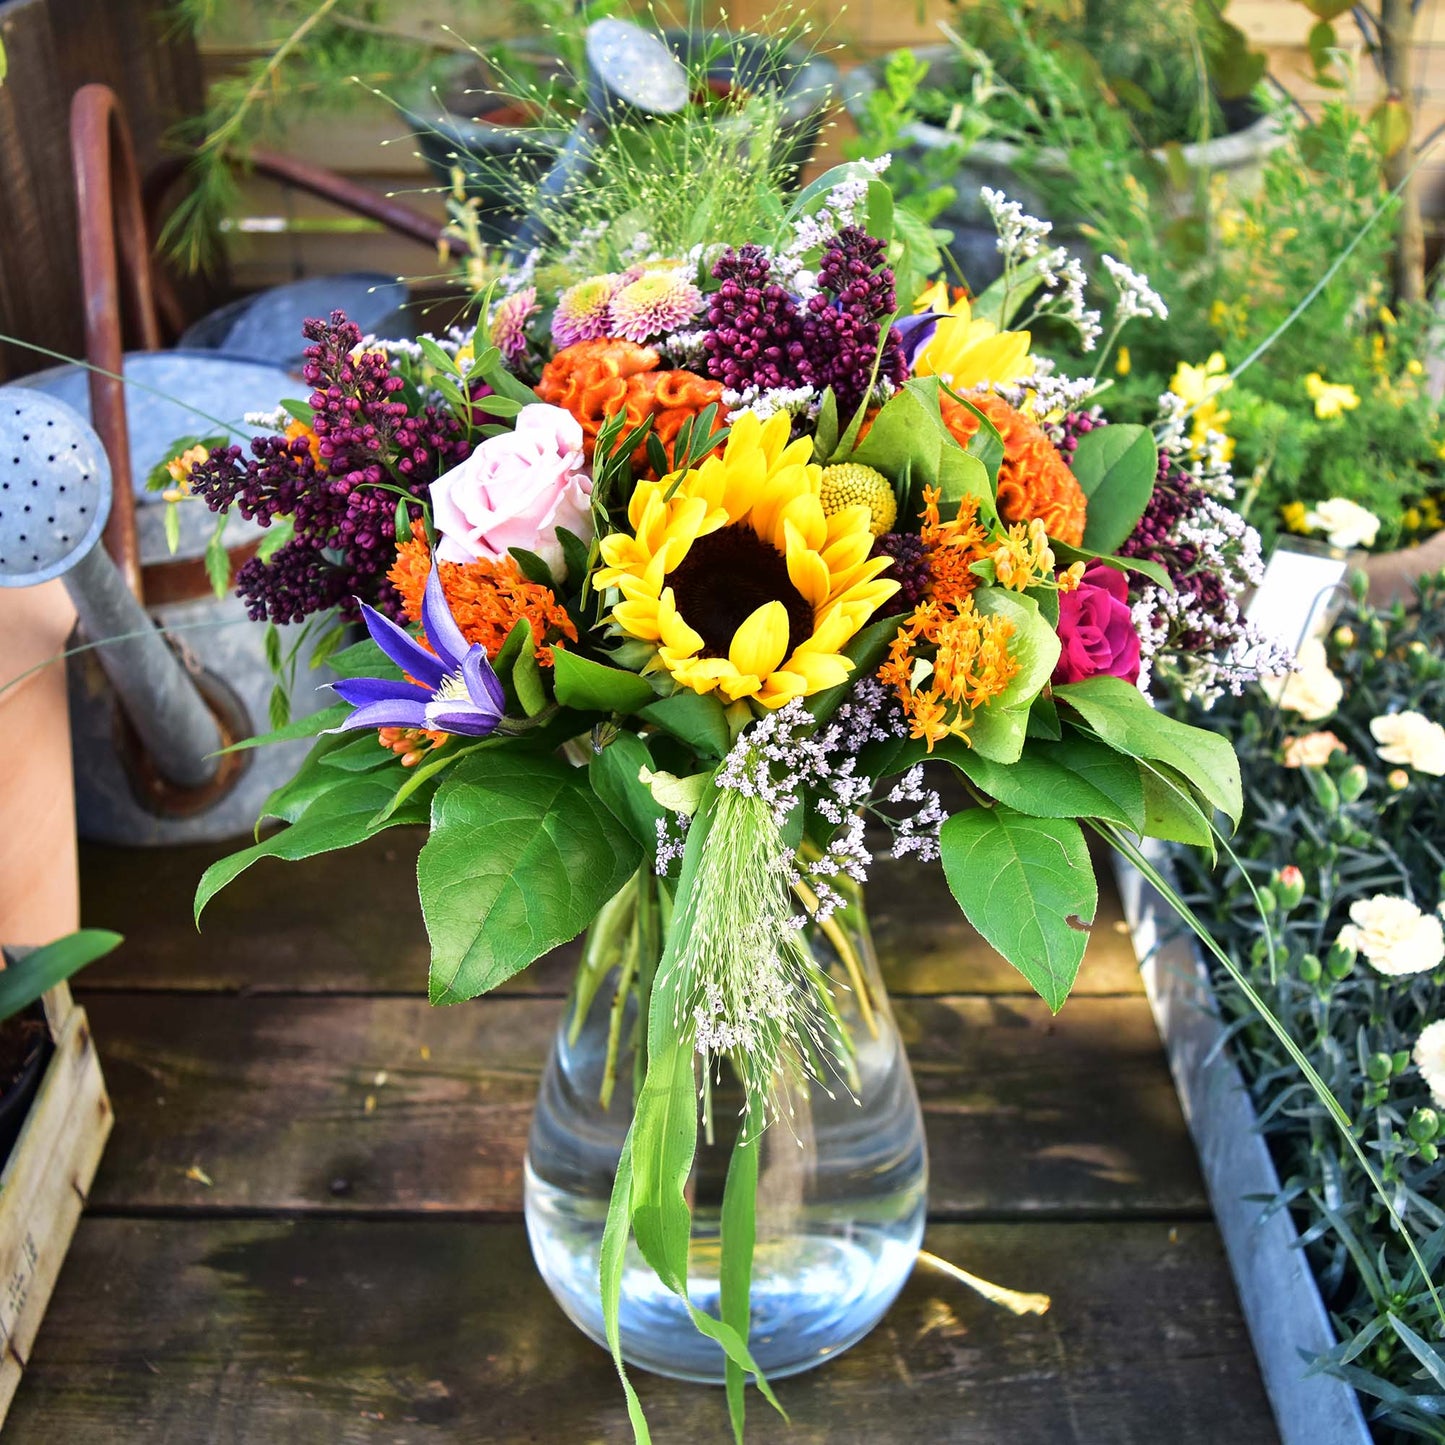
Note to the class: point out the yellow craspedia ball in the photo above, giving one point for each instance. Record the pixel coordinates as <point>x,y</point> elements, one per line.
<point>851,484</point>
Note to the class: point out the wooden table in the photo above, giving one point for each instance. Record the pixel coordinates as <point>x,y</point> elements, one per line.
<point>307,1227</point>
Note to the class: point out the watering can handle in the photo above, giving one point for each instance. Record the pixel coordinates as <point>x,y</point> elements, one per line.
<point>116,276</point>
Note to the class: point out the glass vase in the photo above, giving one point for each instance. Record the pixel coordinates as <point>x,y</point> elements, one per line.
<point>843,1172</point>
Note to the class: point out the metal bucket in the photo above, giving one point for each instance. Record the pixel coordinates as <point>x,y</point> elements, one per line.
<point>119,796</point>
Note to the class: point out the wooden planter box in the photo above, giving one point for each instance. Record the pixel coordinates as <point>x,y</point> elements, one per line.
<point>1277,1290</point>
<point>46,1181</point>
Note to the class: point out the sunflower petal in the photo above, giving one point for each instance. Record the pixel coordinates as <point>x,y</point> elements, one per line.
<point>761,642</point>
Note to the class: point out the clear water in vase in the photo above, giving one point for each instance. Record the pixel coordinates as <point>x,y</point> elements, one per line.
<point>841,1193</point>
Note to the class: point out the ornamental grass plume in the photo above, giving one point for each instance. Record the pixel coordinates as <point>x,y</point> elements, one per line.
<point>486,598</point>
<point>597,379</point>
<point>1033,479</point>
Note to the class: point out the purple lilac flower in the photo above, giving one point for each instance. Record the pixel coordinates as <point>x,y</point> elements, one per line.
<point>842,322</point>
<point>329,483</point>
<point>910,564</point>
<point>456,690</point>
<point>755,340</point>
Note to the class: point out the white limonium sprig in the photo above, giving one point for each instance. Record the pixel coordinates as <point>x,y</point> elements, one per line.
<point>843,207</point>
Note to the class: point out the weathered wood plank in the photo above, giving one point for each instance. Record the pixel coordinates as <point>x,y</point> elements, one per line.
<point>349,922</point>
<point>390,1105</point>
<point>419,1333</point>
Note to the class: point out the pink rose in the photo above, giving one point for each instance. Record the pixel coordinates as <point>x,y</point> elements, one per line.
<point>1096,628</point>
<point>515,490</point>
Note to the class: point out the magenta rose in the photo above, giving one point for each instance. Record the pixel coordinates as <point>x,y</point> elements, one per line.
<point>1096,629</point>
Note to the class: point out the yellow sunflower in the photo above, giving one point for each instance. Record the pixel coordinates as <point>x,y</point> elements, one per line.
<point>744,584</point>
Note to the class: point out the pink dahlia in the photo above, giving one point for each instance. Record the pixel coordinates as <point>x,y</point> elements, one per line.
<point>654,304</point>
<point>509,322</point>
<point>584,311</point>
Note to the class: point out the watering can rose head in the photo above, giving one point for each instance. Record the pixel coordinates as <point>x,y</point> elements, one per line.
<point>516,490</point>
<point>451,689</point>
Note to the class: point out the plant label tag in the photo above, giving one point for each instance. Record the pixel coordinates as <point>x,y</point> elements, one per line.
<point>1300,592</point>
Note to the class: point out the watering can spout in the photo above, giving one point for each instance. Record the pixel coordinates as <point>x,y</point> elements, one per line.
<point>55,497</point>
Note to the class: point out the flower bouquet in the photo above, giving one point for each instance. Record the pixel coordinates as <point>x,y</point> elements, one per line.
<point>679,570</point>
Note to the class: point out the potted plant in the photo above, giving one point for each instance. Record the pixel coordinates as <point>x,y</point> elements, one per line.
<point>54,1119</point>
<point>1341,837</point>
<point>1045,101</point>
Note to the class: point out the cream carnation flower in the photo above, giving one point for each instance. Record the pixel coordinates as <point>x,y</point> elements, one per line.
<point>1314,692</point>
<point>1430,1059</point>
<point>1313,750</point>
<point>1394,935</point>
<point>1412,739</point>
<point>1347,523</point>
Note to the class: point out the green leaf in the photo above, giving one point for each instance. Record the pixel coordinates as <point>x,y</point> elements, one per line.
<point>301,411</point>
<point>613,1256</point>
<point>1428,1356</point>
<point>505,384</point>
<point>327,644</point>
<point>278,534</point>
<point>614,774</point>
<point>521,856</point>
<point>496,405</point>
<point>339,818</point>
<point>312,780</point>
<point>526,676</point>
<point>594,687</point>
<point>361,754</point>
<point>1065,554</point>
<point>364,659</point>
<point>173,527</point>
<point>1028,886</point>
<point>698,719</point>
<point>1081,778</point>
<point>1005,298</point>
<point>218,560</point>
<point>271,645</point>
<point>735,1263</point>
<point>532,567</point>
<point>29,974</point>
<point>439,360</point>
<point>303,727</point>
<point>1044,720</point>
<point>4,63</point>
<point>1170,810</point>
<point>1116,466</point>
<point>575,554</point>
<point>998,733</point>
<point>825,433</point>
<point>1121,716</point>
<point>278,707</point>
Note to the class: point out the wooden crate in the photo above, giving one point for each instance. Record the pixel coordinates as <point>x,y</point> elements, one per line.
<point>46,1181</point>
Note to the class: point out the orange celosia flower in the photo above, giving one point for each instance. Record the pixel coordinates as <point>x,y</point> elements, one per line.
<point>487,598</point>
<point>1033,479</point>
<point>596,379</point>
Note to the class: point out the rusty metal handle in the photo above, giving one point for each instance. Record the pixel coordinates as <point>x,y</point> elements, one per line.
<point>318,181</point>
<point>116,277</point>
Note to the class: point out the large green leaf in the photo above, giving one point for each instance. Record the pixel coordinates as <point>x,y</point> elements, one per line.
<point>521,856</point>
<point>735,1262</point>
<point>1170,810</point>
<point>340,817</point>
<point>614,774</point>
<point>1028,886</point>
<point>695,718</point>
<point>30,973</point>
<point>1122,717</point>
<point>594,687</point>
<point>1116,466</point>
<point>303,727</point>
<point>998,733</point>
<point>1080,778</point>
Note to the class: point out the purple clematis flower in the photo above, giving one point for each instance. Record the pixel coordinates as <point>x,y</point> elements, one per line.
<point>914,333</point>
<point>456,690</point>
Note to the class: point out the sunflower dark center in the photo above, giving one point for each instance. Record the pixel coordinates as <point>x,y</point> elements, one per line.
<point>725,577</point>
